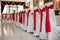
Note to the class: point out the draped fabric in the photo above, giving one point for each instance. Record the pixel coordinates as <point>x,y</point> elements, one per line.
<point>35,18</point>
<point>53,35</point>
<point>45,24</point>
<point>48,29</point>
<point>23,20</point>
<point>51,8</point>
<point>41,18</point>
<point>43,34</point>
<point>28,16</point>
<point>51,12</point>
<point>50,34</point>
<point>25,23</point>
<point>16,16</point>
<point>7,16</point>
<point>13,16</point>
<point>23,17</point>
<point>20,17</point>
<point>10,16</point>
<point>4,16</point>
<point>30,27</point>
<point>36,22</point>
<point>17,19</point>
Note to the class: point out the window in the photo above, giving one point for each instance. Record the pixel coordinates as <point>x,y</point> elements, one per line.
<point>11,8</point>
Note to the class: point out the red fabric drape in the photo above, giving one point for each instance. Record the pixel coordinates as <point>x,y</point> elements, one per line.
<point>24,16</point>
<point>2,16</point>
<point>48,26</point>
<point>41,16</point>
<point>12,16</point>
<point>20,17</point>
<point>35,18</point>
<point>28,16</point>
<point>17,16</point>
<point>7,15</point>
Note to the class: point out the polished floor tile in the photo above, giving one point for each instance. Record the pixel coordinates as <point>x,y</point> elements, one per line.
<point>11,32</point>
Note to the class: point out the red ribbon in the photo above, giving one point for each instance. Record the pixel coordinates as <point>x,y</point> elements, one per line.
<point>5,16</point>
<point>41,16</point>
<point>51,7</point>
<point>28,16</point>
<point>10,16</point>
<point>35,18</point>
<point>24,16</point>
<point>48,28</point>
<point>20,17</point>
<point>2,16</point>
<point>16,16</point>
<point>13,16</point>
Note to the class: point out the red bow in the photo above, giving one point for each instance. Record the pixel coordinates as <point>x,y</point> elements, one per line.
<point>51,7</point>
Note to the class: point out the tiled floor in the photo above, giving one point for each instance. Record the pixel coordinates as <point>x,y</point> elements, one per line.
<point>14,33</point>
<point>58,19</point>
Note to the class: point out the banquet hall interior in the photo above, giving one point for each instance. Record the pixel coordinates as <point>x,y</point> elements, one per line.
<point>20,20</point>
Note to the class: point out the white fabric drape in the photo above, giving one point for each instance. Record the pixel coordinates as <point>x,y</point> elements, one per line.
<point>30,27</point>
<point>37,32</point>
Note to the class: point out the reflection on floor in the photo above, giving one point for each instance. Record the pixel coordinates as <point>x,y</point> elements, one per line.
<point>8,31</point>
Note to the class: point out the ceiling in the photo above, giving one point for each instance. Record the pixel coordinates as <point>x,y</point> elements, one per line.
<point>15,0</point>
